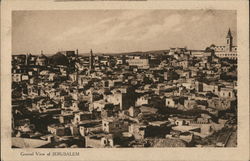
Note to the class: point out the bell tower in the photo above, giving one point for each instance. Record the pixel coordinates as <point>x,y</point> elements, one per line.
<point>229,39</point>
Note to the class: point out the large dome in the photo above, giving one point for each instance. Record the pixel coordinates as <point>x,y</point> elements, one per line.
<point>59,59</point>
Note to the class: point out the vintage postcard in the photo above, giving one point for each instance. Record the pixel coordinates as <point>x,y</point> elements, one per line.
<point>119,80</point>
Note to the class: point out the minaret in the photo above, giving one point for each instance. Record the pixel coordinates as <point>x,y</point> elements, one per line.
<point>229,39</point>
<point>77,75</point>
<point>91,60</point>
<point>27,59</point>
<point>77,70</point>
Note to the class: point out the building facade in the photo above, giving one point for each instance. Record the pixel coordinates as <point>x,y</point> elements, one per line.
<point>227,51</point>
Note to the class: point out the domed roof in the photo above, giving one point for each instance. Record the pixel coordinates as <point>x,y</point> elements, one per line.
<point>59,59</point>
<point>42,56</point>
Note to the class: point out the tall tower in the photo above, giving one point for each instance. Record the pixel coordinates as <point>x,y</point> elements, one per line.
<point>77,70</point>
<point>91,60</point>
<point>229,39</point>
<point>27,59</point>
<point>77,74</point>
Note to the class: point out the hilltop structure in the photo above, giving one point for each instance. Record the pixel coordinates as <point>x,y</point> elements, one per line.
<point>227,51</point>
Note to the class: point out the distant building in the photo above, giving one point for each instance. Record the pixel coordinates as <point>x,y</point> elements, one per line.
<point>114,126</point>
<point>138,131</point>
<point>42,60</point>
<point>227,93</point>
<point>221,103</point>
<point>200,53</point>
<point>124,100</point>
<point>68,53</point>
<point>19,59</point>
<point>58,130</point>
<point>99,141</point>
<point>140,63</point>
<point>227,51</point>
<point>81,116</point>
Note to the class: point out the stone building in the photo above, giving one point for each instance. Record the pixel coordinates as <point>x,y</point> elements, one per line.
<point>227,51</point>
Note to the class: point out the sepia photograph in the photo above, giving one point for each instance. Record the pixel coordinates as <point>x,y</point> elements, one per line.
<point>127,81</point>
<point>124,79</point>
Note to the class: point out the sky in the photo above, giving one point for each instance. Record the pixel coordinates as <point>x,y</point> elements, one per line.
<point>114,31</point>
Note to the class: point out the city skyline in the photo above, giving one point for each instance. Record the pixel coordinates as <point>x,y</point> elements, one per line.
<point>182,96</point>
<point>115,31</point>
